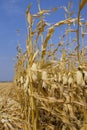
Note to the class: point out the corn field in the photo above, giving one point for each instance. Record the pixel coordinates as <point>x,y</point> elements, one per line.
<point>50,82</point>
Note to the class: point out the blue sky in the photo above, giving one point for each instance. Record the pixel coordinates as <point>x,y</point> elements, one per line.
<point>12,17</point>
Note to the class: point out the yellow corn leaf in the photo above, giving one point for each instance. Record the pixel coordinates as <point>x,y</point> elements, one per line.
<point>82,4</point>
<point>51,30</point>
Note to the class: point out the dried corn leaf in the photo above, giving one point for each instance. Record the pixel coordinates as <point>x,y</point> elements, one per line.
<point>82,4</point>
<point>47,11</point>
<point>43,12</point>
<point>40,28</point>
<point>67,21</point>
<point>51,31</point>
<point>80,103</point>
<point>53,52</point>
<point>34,56</point>
<point>47,99</point>
<point>29,16</point>
<point>53,112</point>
